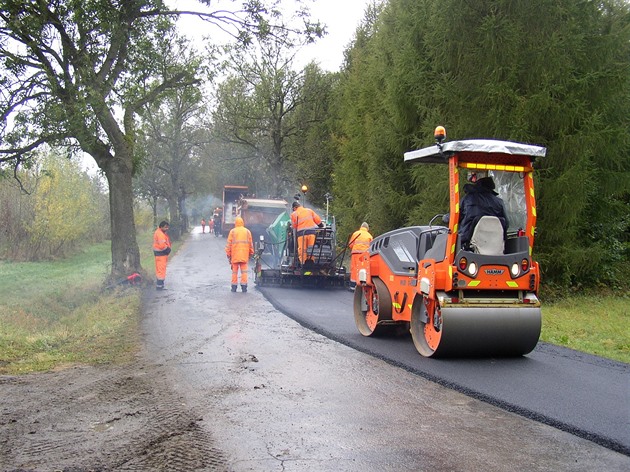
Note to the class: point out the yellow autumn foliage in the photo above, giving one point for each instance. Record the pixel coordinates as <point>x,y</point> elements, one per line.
<point>66,209</point>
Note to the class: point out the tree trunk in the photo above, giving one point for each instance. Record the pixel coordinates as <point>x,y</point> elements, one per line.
<point>155,215</point>
<point>125,252</point>
<point>183,215</point>
<point>175,224</point>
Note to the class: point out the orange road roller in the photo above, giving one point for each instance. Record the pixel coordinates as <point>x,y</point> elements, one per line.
<point>468,289</point>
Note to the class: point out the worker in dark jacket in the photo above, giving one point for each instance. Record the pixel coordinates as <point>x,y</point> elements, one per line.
<point>161,250</point>
<point>480,200</point>
<point>216,223</point>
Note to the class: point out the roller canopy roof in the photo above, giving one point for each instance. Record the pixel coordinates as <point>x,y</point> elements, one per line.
<point>433,154</point>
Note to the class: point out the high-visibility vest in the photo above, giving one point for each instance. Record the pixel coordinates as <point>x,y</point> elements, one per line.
<point>360,240</point>
<point>240,244</point>
<point>304,218</point>
<point>161,243</point>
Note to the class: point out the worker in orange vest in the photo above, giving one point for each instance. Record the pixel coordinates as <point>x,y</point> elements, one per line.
<point>359,243</point>
<point>305,221</point>
<point>161,250</point>
<point>203,225</point>
<point>239,248</point>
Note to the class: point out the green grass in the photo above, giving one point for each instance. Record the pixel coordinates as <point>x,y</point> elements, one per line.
<point>598,325</point>
<point>55,314</point>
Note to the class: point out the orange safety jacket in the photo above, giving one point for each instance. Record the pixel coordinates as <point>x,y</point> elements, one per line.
<point>161,243</point>
<point>304,219</point>
<point>240,244</point>
<point>360,240</point>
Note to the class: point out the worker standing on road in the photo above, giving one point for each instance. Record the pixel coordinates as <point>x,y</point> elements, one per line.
<point>239,248</point>
<point>161,250</point>
<point>359,243</point>
<point>203,225</point>
<point>305,221</point>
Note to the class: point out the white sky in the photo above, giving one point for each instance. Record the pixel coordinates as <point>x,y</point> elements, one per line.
<point>341,18</point>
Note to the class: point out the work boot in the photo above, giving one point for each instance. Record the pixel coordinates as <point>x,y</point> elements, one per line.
<point>244,288</point>
<point>159,285</point>
<point>234,288</point>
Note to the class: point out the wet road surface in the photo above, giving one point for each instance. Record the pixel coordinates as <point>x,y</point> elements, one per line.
<point>582,394</point>
<point>276,396</point>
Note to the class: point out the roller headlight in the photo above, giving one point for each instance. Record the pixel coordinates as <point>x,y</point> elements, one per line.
<point>515,269</point>
<point>472,269</point>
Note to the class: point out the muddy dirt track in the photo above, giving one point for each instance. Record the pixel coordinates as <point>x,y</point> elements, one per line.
<point>225,382</point>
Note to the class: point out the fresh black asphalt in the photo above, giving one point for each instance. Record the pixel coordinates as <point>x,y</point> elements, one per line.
<point>585,395</point>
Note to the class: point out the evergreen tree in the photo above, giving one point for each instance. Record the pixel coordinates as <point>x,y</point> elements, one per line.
<point>549,72</point>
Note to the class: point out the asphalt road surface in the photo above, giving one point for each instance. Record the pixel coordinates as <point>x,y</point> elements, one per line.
<point>585,395</point>
<point>277,396</point>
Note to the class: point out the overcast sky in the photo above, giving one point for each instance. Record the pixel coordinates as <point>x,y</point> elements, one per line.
<point>341,18</point>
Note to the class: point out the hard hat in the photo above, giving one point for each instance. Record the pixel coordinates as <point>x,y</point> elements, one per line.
<point>365,225</point>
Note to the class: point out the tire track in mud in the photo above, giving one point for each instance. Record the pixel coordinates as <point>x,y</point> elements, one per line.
<point>102,419</point>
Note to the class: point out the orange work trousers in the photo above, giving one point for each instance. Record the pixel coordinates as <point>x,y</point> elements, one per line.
<point>303,243</point>
<point>243,268</point>
<point>160,267</point>
<point>354,266</point>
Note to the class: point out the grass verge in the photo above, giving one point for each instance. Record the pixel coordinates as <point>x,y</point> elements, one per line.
<point>595,324</point>
<point>54,314</point>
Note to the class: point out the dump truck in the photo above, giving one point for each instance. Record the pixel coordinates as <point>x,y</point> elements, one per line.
<point>231,196</point>
<point>456,300</point>
<point>259,213</point>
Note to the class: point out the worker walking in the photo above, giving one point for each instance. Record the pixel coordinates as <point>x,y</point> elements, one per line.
<point>359,243</point>
<point>305,221</point>
<point>203,226</point>
<point>239,248</point>
<point>161,250</point>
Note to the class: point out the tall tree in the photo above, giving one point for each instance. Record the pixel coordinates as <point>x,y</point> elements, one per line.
<point>75,73</point>
<point>311,150</point>
<point>550,72</point>
<point>172,131</point>
<point>256,109</point>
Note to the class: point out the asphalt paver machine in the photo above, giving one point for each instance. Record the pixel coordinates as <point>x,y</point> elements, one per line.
<point>278,264</point>
<point>460,301</point>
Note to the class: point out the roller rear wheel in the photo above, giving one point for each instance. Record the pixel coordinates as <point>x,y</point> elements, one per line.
<point>426,331</point>
<point>372,306</point>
